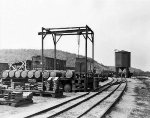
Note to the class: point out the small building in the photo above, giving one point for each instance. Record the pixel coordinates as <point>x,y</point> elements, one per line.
<point>80,65</point>
<point>48,63</point>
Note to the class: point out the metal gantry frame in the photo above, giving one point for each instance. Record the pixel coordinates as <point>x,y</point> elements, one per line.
<point>57,33</point>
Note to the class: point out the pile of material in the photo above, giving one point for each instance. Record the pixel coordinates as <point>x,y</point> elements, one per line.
<point>16,98</point>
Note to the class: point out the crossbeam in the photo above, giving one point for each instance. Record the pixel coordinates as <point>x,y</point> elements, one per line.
<point>71,31</point>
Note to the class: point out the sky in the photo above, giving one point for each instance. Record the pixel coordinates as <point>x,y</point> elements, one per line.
<point>117,24</point>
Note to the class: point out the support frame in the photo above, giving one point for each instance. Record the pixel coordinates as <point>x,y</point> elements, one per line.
<point>86,32</point>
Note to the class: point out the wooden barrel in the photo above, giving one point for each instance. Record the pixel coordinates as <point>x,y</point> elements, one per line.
<point>12,73</point>
<point>55,73</point>
<point>18,73</point>
<point>5,74</point>
<point>31,73</point>
<point>69,73</point>
<point>38,74</point>
<point>46,74</point>
<point>24,73</point>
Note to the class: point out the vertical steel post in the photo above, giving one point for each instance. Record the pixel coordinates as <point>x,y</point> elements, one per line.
<point>85,89</point>
<point>42,56</point>
<point>54,52</point>
<point>93,48</point>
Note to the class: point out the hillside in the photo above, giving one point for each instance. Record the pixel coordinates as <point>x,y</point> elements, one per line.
<point>15,55</point>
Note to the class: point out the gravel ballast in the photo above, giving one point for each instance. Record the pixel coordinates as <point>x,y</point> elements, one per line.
<point>135,103</point>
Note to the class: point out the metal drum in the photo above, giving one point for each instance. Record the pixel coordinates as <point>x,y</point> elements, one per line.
<point>12,73</point>
<point>5,74</point>
<point>24,73</point>
<point>46,74</point>
<point>38,74</point>
<point>55,73</point>
<point>18,73</point>
<point>31,73</point>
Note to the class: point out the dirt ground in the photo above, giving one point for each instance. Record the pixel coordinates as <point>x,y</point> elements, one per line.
<point>39,104</point>
<point>136,101</point>
<point>134,104</point>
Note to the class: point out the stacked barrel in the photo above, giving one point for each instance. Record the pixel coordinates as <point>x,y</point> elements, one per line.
<point>5,74</point>
<point>18,73</point>
<point>55,73</point>
<point>46,74</point>
<point>31,74</point>
<point>12,73</point>
<point>36,74</point>
<point>35,77</point>
<point>24,74</point>
<point>9,74</point>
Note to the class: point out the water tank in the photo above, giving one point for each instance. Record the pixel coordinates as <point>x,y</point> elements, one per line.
<point>122,59</point>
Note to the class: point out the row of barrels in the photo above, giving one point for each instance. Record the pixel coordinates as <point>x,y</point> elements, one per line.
<point>36,73</point>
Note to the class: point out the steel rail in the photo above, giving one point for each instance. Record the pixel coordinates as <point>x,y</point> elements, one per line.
<point>103,89</point>
<point>111,106</point>
<point>111,82</point>
<point>106,86</point>
<point>53,107</point>
<point>99,101</point>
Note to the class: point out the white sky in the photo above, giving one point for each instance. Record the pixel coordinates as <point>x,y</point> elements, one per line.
<point>117,24</point>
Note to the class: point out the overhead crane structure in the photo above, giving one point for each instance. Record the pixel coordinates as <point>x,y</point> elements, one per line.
<point>57,33</point>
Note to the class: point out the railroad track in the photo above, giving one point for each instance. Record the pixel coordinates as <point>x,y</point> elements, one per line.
<point>105,104</point>
<point>86,103</point>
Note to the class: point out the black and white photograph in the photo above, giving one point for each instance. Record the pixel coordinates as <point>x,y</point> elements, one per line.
<point>74,59</point>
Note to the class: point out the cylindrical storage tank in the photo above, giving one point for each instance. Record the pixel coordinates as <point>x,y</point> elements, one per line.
<point>31,73</point>
<point>69,73</point>
<point>55,73</point>
<point>38,74</point>
<point>122,59</point>
<point>24,74</point>
<point>5,74</point>
<point>46,74</point>
<point>18,73</point>
<point>12,73</point>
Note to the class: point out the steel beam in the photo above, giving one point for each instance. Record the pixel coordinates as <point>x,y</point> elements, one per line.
<point>93,49</point>
<point>85,89</point>
<point>42,56</point>
<point>54,40</point>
